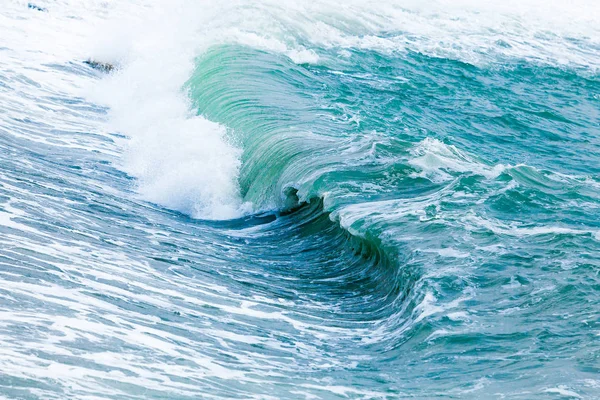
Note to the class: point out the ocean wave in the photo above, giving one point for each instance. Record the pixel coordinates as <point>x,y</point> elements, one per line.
<point>298,200</point>
<point>158,116</point>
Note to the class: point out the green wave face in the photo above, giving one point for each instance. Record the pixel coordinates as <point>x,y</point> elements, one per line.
<point>472,181</point>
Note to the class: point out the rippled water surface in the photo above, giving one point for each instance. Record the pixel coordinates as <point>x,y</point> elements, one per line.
<point>299,200</point>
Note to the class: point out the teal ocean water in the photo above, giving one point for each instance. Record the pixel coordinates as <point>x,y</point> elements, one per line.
<point>300,200</point>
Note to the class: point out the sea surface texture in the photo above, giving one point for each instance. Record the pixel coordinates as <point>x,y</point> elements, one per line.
<point>278,199</point>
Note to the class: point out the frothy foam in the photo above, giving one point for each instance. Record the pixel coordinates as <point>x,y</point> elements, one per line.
<point>435,160</point>
<point>182,161</point>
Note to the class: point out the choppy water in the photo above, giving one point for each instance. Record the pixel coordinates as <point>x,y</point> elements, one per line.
<point>300,200</point>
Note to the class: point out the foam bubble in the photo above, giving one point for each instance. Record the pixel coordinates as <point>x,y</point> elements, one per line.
<point>182,161</point>
<point>563,391</point>
<point>435,160</point>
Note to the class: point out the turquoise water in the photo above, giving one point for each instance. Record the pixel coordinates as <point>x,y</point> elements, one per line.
<point>292,201</point>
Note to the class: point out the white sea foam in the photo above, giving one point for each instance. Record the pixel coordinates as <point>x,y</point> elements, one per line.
<point>447,252</point>
<point>474,31</point>
<point>563,391</point>
<point>436,160</point>
<point>181,160</point>
<point>475,222</point>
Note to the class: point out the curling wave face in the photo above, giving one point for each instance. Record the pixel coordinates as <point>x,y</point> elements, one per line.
<point>289,200</point>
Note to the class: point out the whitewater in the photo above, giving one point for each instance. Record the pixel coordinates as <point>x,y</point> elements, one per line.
<point>267,199</point>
